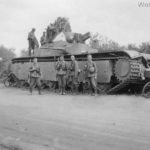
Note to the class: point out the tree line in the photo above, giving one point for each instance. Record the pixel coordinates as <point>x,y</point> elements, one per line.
<point>103,43</point>
<point>6,54</point>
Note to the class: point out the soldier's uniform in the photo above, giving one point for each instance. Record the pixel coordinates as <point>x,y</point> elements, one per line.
<point>35,75</point>
<point>61,69</point>
<point>91,70</point>
<point>56,66</point>
<point>43,40</point>
<point>32,42</point>
<point>73,73</point>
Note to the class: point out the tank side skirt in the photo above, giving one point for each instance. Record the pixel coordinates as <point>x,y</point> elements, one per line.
<point>67,59</point>
<point>79,57</point>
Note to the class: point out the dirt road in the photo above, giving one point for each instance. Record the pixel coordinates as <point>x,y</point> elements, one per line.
<point>54,122</point>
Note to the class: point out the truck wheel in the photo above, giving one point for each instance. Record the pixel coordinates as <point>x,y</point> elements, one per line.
<point>6,82</point>
<point>146,90</point>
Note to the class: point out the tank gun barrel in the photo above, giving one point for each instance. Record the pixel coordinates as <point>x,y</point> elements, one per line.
<point>86,36</point>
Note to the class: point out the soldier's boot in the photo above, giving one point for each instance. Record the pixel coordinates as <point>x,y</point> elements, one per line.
<point>63,93</point>
<point>60,91</point>
<point>39,90</point>
<point>95,93</point>
<point>92,91</point>
<point>71,88</point>
<point>30,90</point>
<point>74,89</point>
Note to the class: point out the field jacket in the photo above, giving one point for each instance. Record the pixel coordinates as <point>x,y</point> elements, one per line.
<point>91,69</point>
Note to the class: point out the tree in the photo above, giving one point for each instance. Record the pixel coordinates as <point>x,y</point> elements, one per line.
<point>144,47</point>
<point>103,43</point>
<point>62,24</point>
<point>6,54</point>
<point>132,46</point>
<point>24,53</point>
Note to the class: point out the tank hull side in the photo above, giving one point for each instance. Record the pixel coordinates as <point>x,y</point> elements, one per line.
<point>104,67</point>
<point>108,76</point>
<point>48,71</point>
<point>21,70</point>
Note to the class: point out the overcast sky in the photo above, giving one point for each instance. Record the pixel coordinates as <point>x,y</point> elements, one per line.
<point>121,20</point>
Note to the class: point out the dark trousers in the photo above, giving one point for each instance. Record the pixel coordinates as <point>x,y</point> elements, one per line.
<point>35,82</point>
<point>93,84</point>
<point>31,46</point>
<point>61,82</point>
<point>74,82</point>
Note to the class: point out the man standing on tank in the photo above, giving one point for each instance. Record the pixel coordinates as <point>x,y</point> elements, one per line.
<point>73,72</point>
<point>61,68</point>
<point>43,39</point>
<point>91,70</point>
<point>32,40</point>
<point>35,76</point>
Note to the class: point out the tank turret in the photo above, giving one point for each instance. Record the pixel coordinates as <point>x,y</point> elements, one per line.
<point>61,40</point>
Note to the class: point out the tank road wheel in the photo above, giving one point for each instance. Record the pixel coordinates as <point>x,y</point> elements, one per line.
<point>122,69</point>
<point>146,90</point>
<point>126,69</point>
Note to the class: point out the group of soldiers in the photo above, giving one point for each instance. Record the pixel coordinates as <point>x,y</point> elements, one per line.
<point>65,71</point>
<point>48,35</point>
<point>33,42</point>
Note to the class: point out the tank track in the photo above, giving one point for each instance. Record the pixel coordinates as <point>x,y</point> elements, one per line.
<point>135,70</point>
<point>118,87</point>
<point>134,76</point>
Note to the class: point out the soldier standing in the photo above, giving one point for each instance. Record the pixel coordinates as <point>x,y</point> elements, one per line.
<point>32,40</point>
<point>91,70</point>
<point>43,39</point>
<point>35,75</point>
<point>73,72</point>
<point>61,68</point>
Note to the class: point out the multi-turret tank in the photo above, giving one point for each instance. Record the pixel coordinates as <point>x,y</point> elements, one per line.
<point>118,71</point>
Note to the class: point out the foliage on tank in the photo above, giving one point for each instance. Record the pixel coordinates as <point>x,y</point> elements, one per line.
<point>62,25</point>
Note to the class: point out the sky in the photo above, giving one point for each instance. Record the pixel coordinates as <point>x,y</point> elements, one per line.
<point>123,21</point>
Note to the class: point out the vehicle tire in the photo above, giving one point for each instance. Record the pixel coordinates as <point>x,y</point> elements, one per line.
<point>146,90</point>
<point>6,82</point>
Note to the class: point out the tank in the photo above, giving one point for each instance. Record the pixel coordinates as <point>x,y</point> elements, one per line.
<point>118,71</point>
